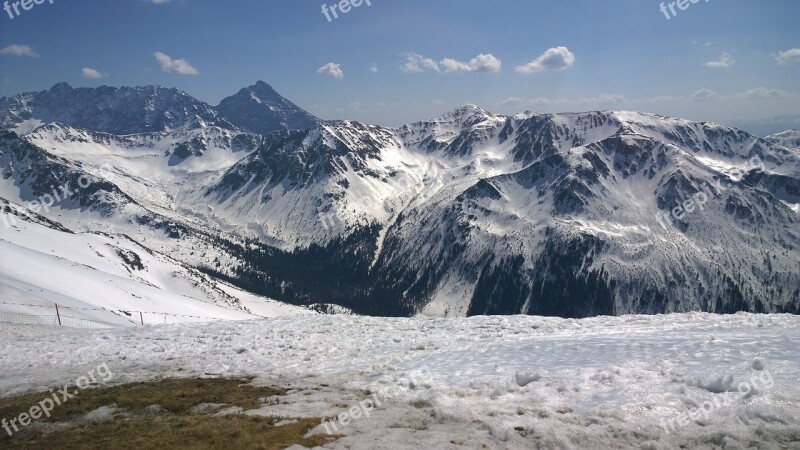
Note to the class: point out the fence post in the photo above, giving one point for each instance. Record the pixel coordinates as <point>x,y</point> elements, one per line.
<point>58,315</point>
<point>141,318</point>
<point>165,318</point>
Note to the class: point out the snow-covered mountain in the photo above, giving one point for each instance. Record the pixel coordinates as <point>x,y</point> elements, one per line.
<point>789,138</point>
<point>259,109</point>
<point>468,213</point>
<point>125,110</point>
<point>94,269</point>
<point>97,276</point>
<point>150,109</point>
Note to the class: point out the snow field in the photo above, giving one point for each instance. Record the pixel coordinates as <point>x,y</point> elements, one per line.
<point>502,382</point>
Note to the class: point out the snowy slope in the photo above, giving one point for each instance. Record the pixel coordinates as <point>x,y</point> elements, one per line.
<point>655,382</point>
<point>81,272</point>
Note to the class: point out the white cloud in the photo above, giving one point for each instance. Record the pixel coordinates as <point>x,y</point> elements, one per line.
<point>332,69</point>
<point>609,101</point>
<point>791,56</point>
<point>157,2</point>
<point>416,63</point>
<point>179,66</point>
<point>480,63</point>
<point>558,58</point>
<point>665,98</point>
<point>373,68</point>
<point>93,74</point>
<point>762,92</point>
<point>539,101</point>
<point>514,101</point>
<point>723,62</point>
<point>19,50</point>
<point>602,99</point>
<point>705,95</point>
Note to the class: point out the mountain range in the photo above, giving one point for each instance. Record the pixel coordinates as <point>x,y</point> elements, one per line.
<point>468,213</point>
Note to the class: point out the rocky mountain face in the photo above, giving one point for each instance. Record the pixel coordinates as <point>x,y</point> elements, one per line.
<point>125,110</point>
<point>149,109</point>
<point>259,109</point>
<point>789,138</point>
<point>468,213</point>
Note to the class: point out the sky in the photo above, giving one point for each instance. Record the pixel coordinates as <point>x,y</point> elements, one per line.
<point>392,62</point>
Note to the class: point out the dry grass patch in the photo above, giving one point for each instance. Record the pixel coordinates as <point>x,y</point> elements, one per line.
<point>172,426</point>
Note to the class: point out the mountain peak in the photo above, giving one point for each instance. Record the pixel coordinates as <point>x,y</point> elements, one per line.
<point>470,108</point>
<point>61,87</point>
<point>262,90</point>
<point>260,109</point>
<point>467,114</point>
<point>262,85</point>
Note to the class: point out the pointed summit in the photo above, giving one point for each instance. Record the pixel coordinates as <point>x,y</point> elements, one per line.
<point>61,87</point>
<point>262,87</point>
<point>468,114</point>
<point>470,109</point>
<point>260,109</point>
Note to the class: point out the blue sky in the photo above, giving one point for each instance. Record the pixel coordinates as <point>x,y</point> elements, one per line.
<point>716,60</point>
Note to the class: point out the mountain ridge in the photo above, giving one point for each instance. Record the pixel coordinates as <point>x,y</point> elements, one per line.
<point>472,213</point>
<point>151,108</point>
<point>123,110</point>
